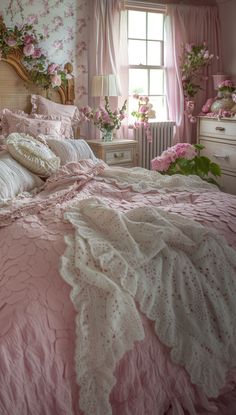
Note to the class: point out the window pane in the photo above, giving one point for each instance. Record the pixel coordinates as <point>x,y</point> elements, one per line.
<point>154,53</point>
<point>156,82</point>
<point>137,52</point>
<point>155,26</point>
<point>159,105</point>
<point>138,81</point>
<point>137,25</point>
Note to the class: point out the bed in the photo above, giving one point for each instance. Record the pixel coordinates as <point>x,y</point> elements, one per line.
<point>117,290</point>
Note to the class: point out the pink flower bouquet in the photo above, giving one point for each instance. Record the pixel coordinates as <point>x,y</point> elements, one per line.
<point>226,86</point>
<point>184,158</point>
<point>143,114</point>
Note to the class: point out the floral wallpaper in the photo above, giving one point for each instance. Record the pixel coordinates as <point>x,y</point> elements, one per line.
<point>64,26</point>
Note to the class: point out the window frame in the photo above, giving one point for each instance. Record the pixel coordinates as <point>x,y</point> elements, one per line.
<point>156,10</point>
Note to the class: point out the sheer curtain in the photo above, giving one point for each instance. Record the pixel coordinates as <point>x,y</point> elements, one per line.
<point>107,49</point>
<point>189,24</point>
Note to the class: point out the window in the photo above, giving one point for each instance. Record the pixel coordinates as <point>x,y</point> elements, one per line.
<point>146,60</point>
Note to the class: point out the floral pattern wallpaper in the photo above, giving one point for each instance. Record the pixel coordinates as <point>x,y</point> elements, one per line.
<point>64,26</point>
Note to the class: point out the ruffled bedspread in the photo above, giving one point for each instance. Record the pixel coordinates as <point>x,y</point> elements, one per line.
<point>37,315</point>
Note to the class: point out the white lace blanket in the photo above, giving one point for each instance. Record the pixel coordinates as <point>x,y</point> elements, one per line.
<point>183,277</point>
<point>143,180</point>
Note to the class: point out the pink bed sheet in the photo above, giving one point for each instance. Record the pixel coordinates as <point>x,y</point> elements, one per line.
<point>37,329</point>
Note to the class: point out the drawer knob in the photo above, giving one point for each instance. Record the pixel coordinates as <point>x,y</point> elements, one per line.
<point>220,128</point>
<point>219,156</point>
<point>119,155</point>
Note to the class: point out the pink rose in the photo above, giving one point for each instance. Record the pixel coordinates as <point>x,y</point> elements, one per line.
<point>28,50</point>
<point>52,68</point>
<point>55,80</point>
<point>37,53</point>
<point>28,39</point>
<point>11,42</point>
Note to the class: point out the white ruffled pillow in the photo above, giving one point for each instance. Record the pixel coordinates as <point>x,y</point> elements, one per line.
<point>32,154</point>
<point>14,178</point>
<point>70,150</point>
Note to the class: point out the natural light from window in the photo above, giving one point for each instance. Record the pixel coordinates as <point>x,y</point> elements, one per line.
<point>146,60</point>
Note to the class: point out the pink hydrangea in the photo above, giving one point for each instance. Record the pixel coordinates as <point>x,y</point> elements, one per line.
<point>180,150</point>
<point>184,150</point>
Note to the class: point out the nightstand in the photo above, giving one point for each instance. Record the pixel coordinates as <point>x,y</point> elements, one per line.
<point>115,153</point>
<point>219,140</point>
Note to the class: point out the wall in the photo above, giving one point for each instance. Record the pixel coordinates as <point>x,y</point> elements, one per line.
<point>227,12</point>
<point>64,25</point>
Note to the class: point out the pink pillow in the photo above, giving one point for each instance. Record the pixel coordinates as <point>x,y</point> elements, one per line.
<point>44,106</point>
<point>12,122</point>
<point>66,125</point>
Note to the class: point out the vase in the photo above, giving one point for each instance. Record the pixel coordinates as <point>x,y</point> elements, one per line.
<point>107,135</point>
<point>223,103</point>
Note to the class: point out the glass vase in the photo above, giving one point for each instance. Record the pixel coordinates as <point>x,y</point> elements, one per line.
<point>107,135</point>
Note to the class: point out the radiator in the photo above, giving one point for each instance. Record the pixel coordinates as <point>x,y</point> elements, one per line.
<point>162,137</point>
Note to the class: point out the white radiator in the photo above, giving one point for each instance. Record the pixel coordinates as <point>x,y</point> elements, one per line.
<point>162,137</point>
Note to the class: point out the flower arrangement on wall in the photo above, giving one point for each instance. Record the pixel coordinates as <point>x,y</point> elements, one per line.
<point>24,40</point>
<point>194,59</point>
<point>105,119</point>
<point>184,158</point>
<point>143,114</point>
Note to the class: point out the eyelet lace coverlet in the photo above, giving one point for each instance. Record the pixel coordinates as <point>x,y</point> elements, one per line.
<point>182,276</point>
<point>37,374</point>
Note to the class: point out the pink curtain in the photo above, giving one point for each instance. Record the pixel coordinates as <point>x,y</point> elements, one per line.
<point>189,24</point>
<point>105,52</point>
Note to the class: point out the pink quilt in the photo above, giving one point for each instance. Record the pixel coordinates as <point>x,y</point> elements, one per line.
<point>37,317</point>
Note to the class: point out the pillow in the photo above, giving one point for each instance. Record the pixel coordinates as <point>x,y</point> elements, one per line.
<point>66,124</point>
<point>21,123</point>
<point>32,154</point>
<point>71,150</point>
<point>44,106</point>
<point>14,178</point>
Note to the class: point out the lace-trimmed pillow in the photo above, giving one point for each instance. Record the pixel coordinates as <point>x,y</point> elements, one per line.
<point>14,178</point>
<point>32,154</point>
<point>66,125</point>
<point>44,106</point>
<point>71,150</point>
<point>22,123</point>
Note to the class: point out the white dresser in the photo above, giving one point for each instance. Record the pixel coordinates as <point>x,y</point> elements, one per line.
<point>219,139</point>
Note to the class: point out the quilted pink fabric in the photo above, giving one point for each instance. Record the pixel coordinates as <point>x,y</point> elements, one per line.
<point>37,330</point>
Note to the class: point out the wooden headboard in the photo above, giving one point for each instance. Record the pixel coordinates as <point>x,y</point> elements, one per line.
<point>16,85</point>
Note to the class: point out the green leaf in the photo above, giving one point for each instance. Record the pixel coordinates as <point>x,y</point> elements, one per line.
<point>215,169</point>
<point>199,146</point>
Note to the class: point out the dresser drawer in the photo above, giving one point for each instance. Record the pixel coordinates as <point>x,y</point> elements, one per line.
<point>221,129</point>
<point>119,156</point>
<point>220,153</point>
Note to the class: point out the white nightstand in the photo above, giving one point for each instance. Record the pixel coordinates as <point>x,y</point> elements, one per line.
<point>219,139</point>
<point>117,152</point>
